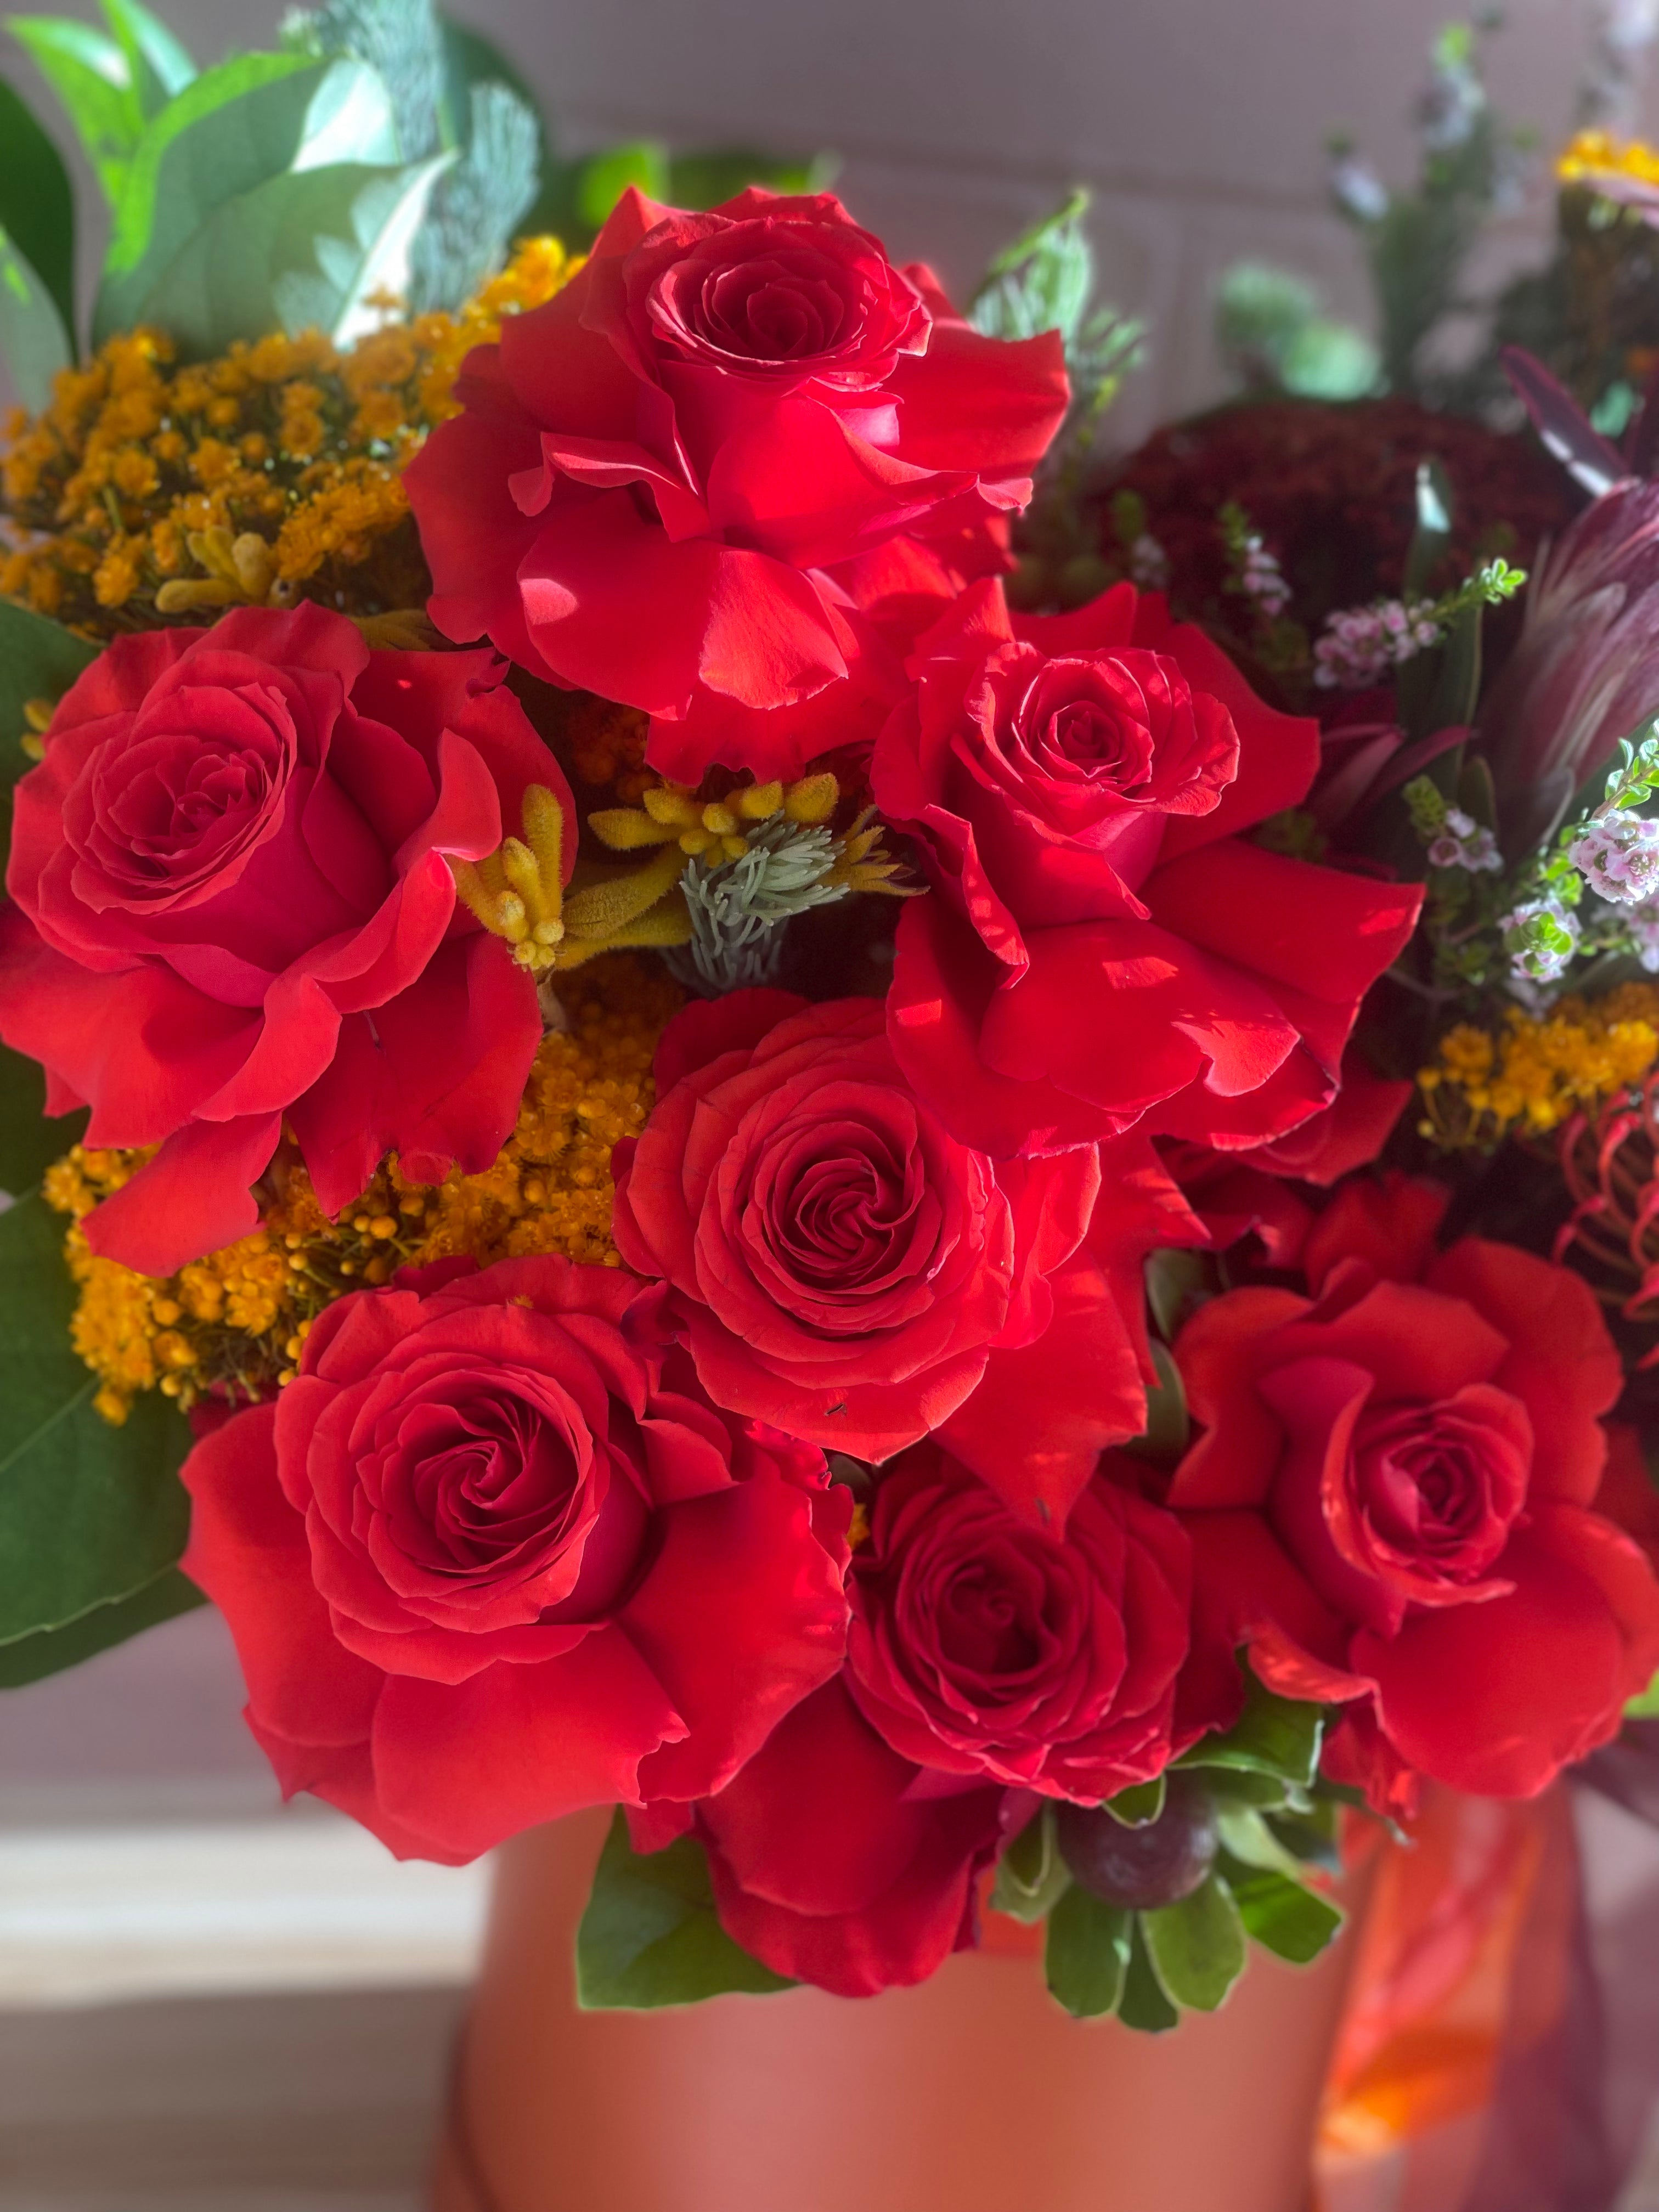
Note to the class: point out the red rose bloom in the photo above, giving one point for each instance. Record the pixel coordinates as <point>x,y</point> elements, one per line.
<point>983,1645</point>
<point>1391,1500</point>
<point>492,1556</point>
<point>1103,950</point>
<point>834,1862</point>
<point>717,412</point>
<point>234,903</point>
<point>844,1269</point>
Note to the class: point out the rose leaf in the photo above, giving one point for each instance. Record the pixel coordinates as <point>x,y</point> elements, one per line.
<point>650,1937</point>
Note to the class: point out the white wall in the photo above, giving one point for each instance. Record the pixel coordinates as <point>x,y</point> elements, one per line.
<point>1200,123</point>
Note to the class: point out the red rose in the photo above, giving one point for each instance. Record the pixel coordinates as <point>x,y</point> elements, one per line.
<point>846,1270</point>
<point>1103,950</point>
<point>985,1646</point>
<point>715,413</point>
<point>234,903</point>
<point>1391,1499</point>
<point>493,1556</point>
<point>832,1861</point>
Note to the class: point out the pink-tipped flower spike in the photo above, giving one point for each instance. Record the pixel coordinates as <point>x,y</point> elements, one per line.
<point>1586,671</point>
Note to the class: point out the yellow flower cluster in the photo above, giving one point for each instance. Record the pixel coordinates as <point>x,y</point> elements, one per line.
<point>148,492</point>
<point>1593,154</point>
<point>1538,1069</point>
<point>235,1322</point>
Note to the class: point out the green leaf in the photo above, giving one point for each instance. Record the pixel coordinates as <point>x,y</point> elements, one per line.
<point>1272,1736</point>
<point>1086,1954</point>
<point>1040,282</point>
<point>471,58</point>
<point>1143,2004</point>
<point>37,204</point>
<point>1031,1876</point>
<point>304,250</point>
<point>603,177</point>
<point>1432,532</point>
<point>1284,1917</point>
<point>649,1935</point>
<point>93,1513</point>
<point>704,179</point>
<point>1169,1426</point>
<point>237,127</point>
<point>1177,1281</point>
<point>31,1658</point>
<point>29,1142</point>
<point>1246,1835</point>
<point>1139,1807</point>
<point>89,74</point>
<point>32,337</point>
<point>157,65</point>
<point>1644,1706</point>
<point>1197,1947</point>
<point>39,659</point>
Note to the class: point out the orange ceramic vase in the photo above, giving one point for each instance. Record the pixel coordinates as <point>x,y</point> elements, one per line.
<point>972,2093</point>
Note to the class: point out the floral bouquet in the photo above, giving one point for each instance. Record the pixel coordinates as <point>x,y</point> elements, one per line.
<point>729,1041</point>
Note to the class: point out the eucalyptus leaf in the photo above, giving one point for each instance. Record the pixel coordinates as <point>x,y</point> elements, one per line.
<point>1031,1876</point>
<point>237,127</point>
<point>159,66</point>
<point>37,204</point>
<point>1040,282</point>
<point>1143,2004</point>
<point>32,339</point>
<point>1086,1954</point>
<point>1197,1947</point>
<point>31,1658</point>
<point>94,1514</point>
<point>471,58</point>
<point>1139,1807</point>
<point>1285,1916</point>
<point>649,1936</point>
<point>303,251</point>
<point>39,659</point>
<point>89,74</point>
<point>1272,1736</point>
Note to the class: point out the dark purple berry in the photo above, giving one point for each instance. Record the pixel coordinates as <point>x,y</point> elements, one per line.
<point>1142,1867</point>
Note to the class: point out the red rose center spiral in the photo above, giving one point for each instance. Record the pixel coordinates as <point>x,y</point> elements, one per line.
<point>1437,1488</point>
<point>170,808</point>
